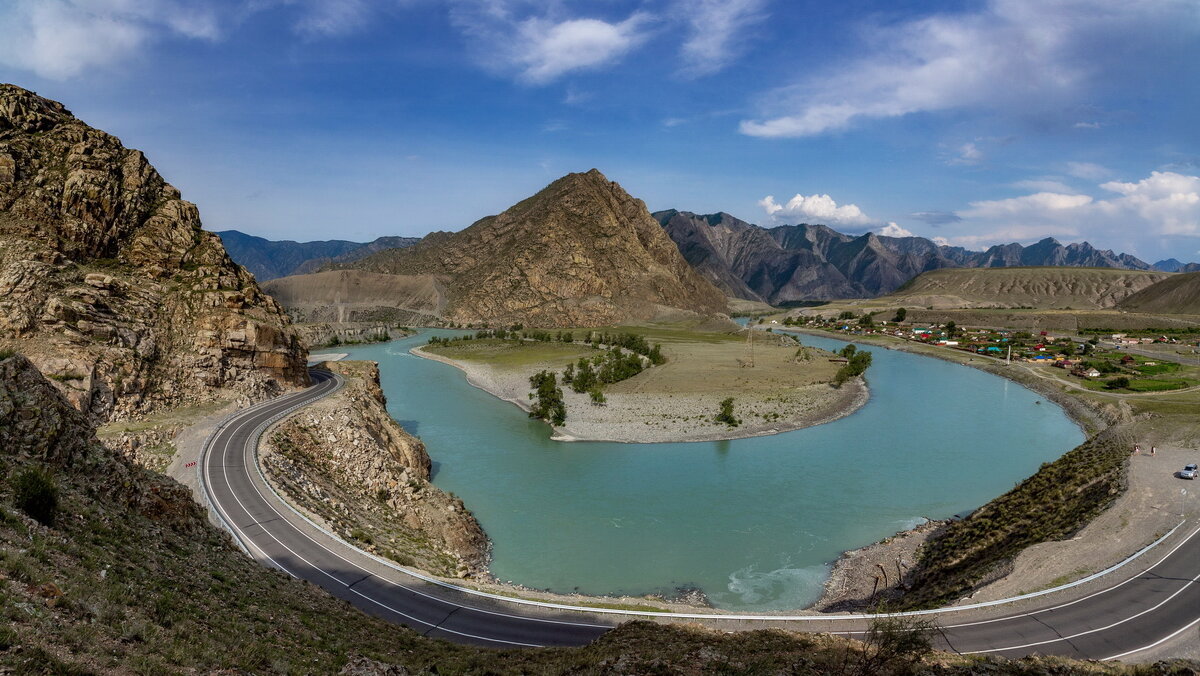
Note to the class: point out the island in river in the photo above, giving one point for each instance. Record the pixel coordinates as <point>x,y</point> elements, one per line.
<point>777,384</point>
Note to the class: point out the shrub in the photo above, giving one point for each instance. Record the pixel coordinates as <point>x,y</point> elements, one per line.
<point>36,495</point>
<point>725,415</point>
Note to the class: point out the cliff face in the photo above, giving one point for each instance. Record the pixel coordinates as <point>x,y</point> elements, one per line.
<point>815,262</point>
<point>347,461</point>
<point>109,284</point>
<point>582,252</point>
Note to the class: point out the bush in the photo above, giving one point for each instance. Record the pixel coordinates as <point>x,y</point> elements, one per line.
<point>1117,383</point>
<point>36,495</point>
<point>725,415</point>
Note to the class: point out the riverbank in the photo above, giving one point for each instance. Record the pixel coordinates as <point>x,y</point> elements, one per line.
<point>1147,508</point>
<point>649,416</point>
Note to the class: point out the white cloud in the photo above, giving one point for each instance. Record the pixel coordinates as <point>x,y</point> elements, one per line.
<point>1164,204</point>
<point>814,209</point>
<point>1088,171</point>
<point>894,230</point>
<point>61,39</point>
<point>941,241</point>
<point>714,28</point>
<point>1016,55</point>
<point>1087,125</point>
<point>538,43</point>
<point>324,18</point>
<point>968,153</point>
<point>549,49</point>
<point>937,218</point>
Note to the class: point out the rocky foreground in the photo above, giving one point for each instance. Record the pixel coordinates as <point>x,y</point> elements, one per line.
<point>110,286</point>
<point>347,462</point>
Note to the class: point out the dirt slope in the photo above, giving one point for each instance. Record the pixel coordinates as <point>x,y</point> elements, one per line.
<point>1179,294</point>
<point>1036,287</point>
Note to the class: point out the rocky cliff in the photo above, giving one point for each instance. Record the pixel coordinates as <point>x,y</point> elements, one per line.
<point>814,262</point>
<point>109,284</point>
<point>582,252</point>
<point>347,461</point>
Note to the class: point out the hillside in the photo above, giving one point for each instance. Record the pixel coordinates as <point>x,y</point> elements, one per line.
<point>270,259</point>
<point>1178,294</point>
<point>814,262</point>
<point>109,284</point>
<point>582,252</point>
<point>1048,288</point>
<point>354,296</point>
<point>127,576</point>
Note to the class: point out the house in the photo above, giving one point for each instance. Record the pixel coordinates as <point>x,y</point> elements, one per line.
<point>1086,373</point>
<point>1127,359</point>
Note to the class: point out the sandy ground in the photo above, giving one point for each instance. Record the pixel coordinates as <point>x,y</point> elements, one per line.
<point>649,417</point>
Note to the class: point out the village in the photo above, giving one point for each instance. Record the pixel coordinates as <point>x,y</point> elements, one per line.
<point>1099,360</point>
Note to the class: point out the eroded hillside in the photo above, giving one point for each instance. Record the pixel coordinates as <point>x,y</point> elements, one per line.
<point>109,284</point>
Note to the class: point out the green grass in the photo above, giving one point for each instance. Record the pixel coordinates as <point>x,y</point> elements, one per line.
<point>510,354</point>
<point>1152,385</point>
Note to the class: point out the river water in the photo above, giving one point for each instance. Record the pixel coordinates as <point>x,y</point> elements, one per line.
<point>753,523</point>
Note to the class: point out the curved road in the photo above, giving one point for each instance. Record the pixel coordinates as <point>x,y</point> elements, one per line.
<point>1149,601</point>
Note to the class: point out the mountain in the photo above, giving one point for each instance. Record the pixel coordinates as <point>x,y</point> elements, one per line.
<point>814,262</point>
<point>271,259</point>
<point>110,286</point>
<point>1038,287</point>
<point>1174,265</point>
<point>1177,294</point>
<point>582,252</point>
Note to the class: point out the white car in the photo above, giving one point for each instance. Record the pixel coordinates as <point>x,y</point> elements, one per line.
<point>1188,472</point>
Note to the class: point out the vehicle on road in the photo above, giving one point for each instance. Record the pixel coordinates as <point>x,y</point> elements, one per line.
<point>1188,472</point>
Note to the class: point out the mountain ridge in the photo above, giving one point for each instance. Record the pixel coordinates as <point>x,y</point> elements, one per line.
<point>815,262</point>
<point>271,259</point>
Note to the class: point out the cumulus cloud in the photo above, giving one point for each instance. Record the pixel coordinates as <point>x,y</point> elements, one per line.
<point>1007,55</point>
<point>60,39</point>
<point>894,230</point>
<point>1164,204</point>
<point>713,31</point>
<point>814,209</point>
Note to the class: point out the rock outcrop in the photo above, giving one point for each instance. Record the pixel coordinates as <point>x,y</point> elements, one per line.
<point>814,262</point>
<point>345,460</point>
<point>109,284</point>
<point>582,252</point>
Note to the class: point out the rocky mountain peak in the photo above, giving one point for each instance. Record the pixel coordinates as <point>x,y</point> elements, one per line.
<point>580,252</point>
<point>109,283</point>
<point>22,109</point>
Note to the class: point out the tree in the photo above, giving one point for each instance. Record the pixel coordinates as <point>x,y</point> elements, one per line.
<point>1117,383</point>
<point>598,397</point>
<point>848,351</point>
<point>951,329</point>
<point>866,320</point>
<point>901,313</point>
<point>725,415</point>
<point>548,398</point>
<point>847,314</point>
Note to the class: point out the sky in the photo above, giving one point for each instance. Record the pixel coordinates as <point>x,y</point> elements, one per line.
<point>969,122</point>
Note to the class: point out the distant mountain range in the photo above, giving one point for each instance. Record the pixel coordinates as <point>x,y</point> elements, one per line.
<point>790,263</point>
<point>1174,265</point>
<point>268,259</point>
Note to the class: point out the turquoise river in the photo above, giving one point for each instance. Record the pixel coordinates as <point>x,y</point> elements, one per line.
<point>753,523</point>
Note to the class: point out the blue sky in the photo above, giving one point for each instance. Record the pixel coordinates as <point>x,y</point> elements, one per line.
<point>975,122</point>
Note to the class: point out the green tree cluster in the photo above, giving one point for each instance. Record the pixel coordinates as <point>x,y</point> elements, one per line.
<point>547,398</point>
<point>857,365</point>
<point>725,414</point>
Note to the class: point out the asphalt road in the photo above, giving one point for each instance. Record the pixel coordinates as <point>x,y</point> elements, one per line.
<point>1151,600</point>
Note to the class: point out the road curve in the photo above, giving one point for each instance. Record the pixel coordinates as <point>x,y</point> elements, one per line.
<point>1147,602</point>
